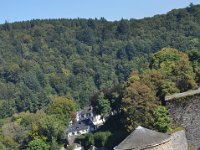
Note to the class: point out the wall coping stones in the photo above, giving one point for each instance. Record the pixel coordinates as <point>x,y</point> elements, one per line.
<point>180,95</point>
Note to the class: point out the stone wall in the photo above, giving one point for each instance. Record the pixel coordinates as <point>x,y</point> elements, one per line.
<point>184,110</point>
<point>164,146</point>
<point>179,140</point>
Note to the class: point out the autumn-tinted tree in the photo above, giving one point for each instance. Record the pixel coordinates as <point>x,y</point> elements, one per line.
<point>138,104</point>
<point>37,144</point>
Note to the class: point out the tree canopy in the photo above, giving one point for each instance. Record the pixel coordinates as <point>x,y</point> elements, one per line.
<point>77,57</point>
<point>50,68</point>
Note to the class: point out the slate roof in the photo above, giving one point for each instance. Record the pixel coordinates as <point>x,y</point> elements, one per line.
<point>80,125</point>
<point>142,138</point>
<point>86,110</point>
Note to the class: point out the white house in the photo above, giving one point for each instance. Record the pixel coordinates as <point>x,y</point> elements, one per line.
<point>86,121</point>
<point>98,120</point>
<point>87,113</point>
<point>80,127</point>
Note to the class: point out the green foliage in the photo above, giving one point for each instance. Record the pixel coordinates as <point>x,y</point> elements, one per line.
<point>24,128</point>
<point>77,57</point>
<point>103,105</point>
<point>161,119</point>
<point>70,147</point>
<point>115,138</point>
<point>175,67</point>
<point>194,57</point>
<point>88,140</point>
<point>7,108</point>
<point>102,139</point>
<point>9,143</point>
<point>38,144</point>
<point>170,72</point>
<point>63,108</point>
<point>99,139</point>
<point>2,146</point>
<point>44,61</point>
<point>54,145</point>
<point>51,128</point>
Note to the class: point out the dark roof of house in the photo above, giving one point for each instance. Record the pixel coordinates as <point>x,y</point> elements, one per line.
<point>86,110</point>
<point>80,125</point>
<point>142,138</point>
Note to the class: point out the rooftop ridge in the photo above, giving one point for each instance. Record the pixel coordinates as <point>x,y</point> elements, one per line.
<point>183,94</point>
<point>139,128</point>
<point>142,138</point>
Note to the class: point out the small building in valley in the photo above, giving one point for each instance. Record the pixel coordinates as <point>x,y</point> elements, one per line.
<point>86,121</point>
<point>87,113</point>
<point>80,127</point>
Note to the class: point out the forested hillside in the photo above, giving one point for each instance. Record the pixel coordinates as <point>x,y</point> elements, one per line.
<point>50,68</point>
<point>40,59</point>
<point>140,100</point>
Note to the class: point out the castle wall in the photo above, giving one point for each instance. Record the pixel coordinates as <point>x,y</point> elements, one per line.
<point>185,111</point>
<point>163,146</point>
<point>179,140</point>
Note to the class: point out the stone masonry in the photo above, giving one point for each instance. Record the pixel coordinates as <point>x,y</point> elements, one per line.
<point>184,110</point>
<point>163,146</point>
<point>179,140</point>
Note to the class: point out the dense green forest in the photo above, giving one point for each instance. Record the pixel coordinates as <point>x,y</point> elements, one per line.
<point>44,64</point>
